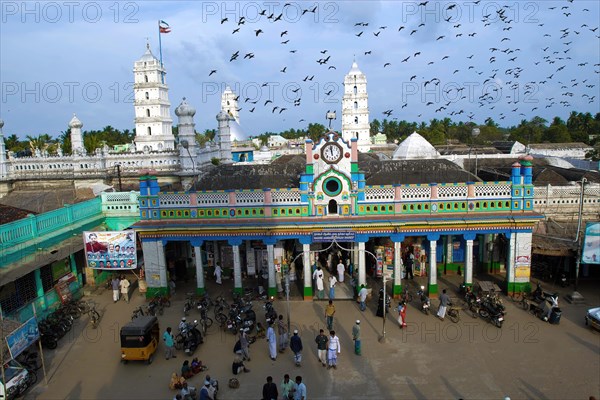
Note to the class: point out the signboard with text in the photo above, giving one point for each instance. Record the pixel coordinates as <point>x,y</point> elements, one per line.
<point>591,244</point>
<point>23,337</point>
<point>330,236</point>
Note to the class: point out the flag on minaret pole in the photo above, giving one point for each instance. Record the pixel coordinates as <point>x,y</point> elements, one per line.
<point>163,27</point>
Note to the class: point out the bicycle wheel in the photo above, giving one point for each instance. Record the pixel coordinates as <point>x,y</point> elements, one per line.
<point>221,318</point>
<point>94,318</point>
<point>454,315</point>
<point>179,341</point>
<point>203,327</point>
<point>208,322</point>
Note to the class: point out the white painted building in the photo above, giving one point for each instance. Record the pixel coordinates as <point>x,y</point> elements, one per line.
<point>153,123</point>
<point>229,104</point>
<point>355,108</point>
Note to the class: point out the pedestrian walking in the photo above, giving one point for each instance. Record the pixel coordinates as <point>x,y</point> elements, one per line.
<point>362,296</point>
<point>356,337</point>
<point>172,286</point>
<point>402,314</point>
<point>299,389</point>
<point>321,341</point>
<point>244,345</point>
<point>124,284</point>
<point>329,312</point>
<point>332,282</point>
<point>270,391</point>
<point>318,277</point>
<point>296,346</point>
<point>333,349</point>
<point>444,300</point>
<point>169,343</point>
<point>410,260</point>
<point>282,330</point>
<point>287,388</point>
<point>218,273</point>
<point>272,340</point>
<point>115,283</point>
<point>341,268</point>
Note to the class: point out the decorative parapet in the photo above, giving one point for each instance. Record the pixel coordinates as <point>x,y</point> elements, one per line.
<point>423,199</point>
<point>120,203</point>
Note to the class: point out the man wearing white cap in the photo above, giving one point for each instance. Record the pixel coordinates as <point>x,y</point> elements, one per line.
<point>356,337</point>
<point>296,346</point>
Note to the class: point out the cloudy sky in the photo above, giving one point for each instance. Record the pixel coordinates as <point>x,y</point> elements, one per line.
<point>464,60</point>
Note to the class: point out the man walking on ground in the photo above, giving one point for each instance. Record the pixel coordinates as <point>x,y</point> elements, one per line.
<point>218,272</point>
<point>444,300</point>
<point>124,284</point>
<point>329,312</point>
<point>270,391</point>
<point>356,337</point>
<point>299,389</point>
<point>287,388</point>
<point>362,296</point>
<point>322,340</point>
<point>340,270</point>
<point>333,350</point>
<point>318,277</point>
<point>169,342</point>
<point>283,334</point>
<point>332,282</point>
<point>115,283</point>
<point>272,340</point>
<point>296,346</point>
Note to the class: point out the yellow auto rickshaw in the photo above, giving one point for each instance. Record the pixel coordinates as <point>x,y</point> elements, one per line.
<point>139,339</point>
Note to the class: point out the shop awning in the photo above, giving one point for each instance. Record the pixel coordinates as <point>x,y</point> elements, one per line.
<point>552,246</point>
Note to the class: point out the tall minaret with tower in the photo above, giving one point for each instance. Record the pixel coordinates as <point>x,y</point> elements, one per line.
<point>153,123</point>
<point>188,148</point>
<point>77,147</point>
<point>3,169</point>
<point>229,104</point>
<point>355,108</point>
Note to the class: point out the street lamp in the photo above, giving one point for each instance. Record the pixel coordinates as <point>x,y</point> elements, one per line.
<point>474,133</point>
<point>186,145</point>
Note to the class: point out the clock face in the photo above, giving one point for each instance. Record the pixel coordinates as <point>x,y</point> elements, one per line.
<point>331,153</point>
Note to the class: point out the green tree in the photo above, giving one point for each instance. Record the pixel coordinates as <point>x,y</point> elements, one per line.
<point>557,132</point>
<point>375,127</point>
<point>315,131</point>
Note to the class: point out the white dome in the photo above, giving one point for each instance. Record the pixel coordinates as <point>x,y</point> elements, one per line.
<point>415,147</point>
<point>185,110</point>
<point>148,56</point>
<point>75,122</point>
<point>354,70</point>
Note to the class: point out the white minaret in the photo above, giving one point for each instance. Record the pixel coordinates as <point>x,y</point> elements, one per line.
<point>229,104</point>
<point>153,123</point>
<point>224,136</point>
<point>77,147</point>
<point>187,135</point>
<point>2,152</point>
<point>355,108</point>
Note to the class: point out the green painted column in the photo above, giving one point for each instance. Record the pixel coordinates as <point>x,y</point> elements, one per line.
<point>237,269</point>
<point>308,289</point>
<point>200,286</point>
<point>271,264</point>
<point>433,286</point>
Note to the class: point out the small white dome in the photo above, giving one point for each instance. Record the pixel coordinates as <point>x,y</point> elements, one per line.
<point>354,70</point>
<point>415,147</point>
<point>223,116</point>
<point>148,56</point>
<point>185,110</point>
<point>75,122</point>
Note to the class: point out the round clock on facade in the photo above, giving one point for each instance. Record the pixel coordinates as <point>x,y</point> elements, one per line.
<point>331,153</point>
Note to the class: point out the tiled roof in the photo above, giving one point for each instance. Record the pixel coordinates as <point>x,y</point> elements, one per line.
<point>44,200</point>
<point>10,214</point>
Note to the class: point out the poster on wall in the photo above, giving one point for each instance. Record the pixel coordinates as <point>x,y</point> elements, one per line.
<point>591,244</point>
<point>23,337</point>
<point>110,250</point>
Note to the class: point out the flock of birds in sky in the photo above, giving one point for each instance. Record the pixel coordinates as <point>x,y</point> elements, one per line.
<point>513,79</point>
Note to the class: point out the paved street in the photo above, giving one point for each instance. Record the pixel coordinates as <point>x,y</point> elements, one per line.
<point>430,359</point>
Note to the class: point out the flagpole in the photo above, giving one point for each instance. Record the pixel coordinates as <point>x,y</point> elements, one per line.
<point>162,75</point>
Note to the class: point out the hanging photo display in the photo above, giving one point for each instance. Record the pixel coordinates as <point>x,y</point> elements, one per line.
<point>110,250</point>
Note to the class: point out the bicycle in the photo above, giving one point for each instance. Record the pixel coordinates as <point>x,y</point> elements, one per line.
<point>406,295</point>
<point>453,313</point>
<point>521,299</point>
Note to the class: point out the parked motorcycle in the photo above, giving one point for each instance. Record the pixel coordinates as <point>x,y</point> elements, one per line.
<point>270,313</point>
<point>191,337</point>
<point>491,312</point>
<point>425,302</point>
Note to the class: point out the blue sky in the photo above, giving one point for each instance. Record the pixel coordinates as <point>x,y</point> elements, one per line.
<point>57,58</point>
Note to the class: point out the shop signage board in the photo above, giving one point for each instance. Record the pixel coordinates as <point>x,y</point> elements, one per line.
<point>115,250</point>
<point>591,244</point>
<point>330,236</point>
<point>23,337</point>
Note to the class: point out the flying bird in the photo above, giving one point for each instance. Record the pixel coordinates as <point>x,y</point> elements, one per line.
<point>214,71</point>
<point>258,31</point>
